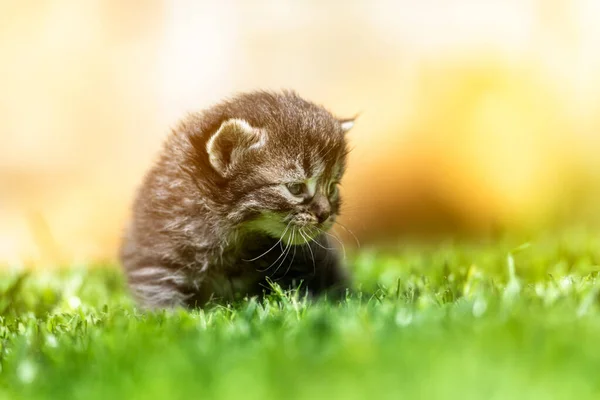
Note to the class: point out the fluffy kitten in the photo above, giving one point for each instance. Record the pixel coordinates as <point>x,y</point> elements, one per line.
<point>242,193</point>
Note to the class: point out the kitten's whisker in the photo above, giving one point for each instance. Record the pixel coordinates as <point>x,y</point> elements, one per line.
<point>314,267</point>
<point>290,264</point>
<point>303,234</point>
<point>273,263</point>
<point>286,252</point>
<point>272,247</point>
<point>335,237</point>
<point>283,254</point>
<point>312,255</point>
<point>314,240</point>
<point>349,231</point>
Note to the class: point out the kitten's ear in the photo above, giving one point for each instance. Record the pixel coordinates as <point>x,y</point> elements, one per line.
<point>234,138</point>
<point>346,124</point>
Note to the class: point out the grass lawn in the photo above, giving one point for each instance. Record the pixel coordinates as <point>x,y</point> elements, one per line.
<point>493,320</point>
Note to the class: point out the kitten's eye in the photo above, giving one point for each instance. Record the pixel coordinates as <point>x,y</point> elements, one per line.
<point>332,189</point>
<point>296,188</point>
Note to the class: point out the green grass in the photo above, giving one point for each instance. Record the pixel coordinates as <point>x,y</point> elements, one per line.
<point>496,320</point>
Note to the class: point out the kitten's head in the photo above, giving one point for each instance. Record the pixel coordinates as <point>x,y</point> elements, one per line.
<point>279,160</point>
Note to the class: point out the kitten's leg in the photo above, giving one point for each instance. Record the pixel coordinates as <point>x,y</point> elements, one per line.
<point>318,267</point>
<point>158,287</point>
<point>331,278</point>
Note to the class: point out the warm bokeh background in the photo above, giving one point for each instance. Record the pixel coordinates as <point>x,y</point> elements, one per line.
<point>476,115</point>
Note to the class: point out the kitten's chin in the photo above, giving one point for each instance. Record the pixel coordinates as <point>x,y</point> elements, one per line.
<point>289,233</point>
<point>296,237</point>
<point>300,235</point>
<point>290,240</point>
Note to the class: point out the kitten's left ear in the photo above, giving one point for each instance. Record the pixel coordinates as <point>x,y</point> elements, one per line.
<point>234,139</point>
<point>346,124</point>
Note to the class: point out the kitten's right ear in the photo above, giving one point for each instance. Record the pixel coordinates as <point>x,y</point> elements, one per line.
<point>228,145</point>
<point>347,123</point>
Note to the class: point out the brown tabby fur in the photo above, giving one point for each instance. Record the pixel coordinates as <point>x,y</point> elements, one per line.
<point>208,218</point>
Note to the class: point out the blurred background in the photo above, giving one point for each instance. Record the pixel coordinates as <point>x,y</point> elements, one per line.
<point>477,116</point>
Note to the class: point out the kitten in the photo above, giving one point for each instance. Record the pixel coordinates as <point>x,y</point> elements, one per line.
<point>242,193</point>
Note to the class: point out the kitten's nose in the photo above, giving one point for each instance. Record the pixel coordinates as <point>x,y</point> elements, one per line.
<point>320,208</point>
<point>322,217</point>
